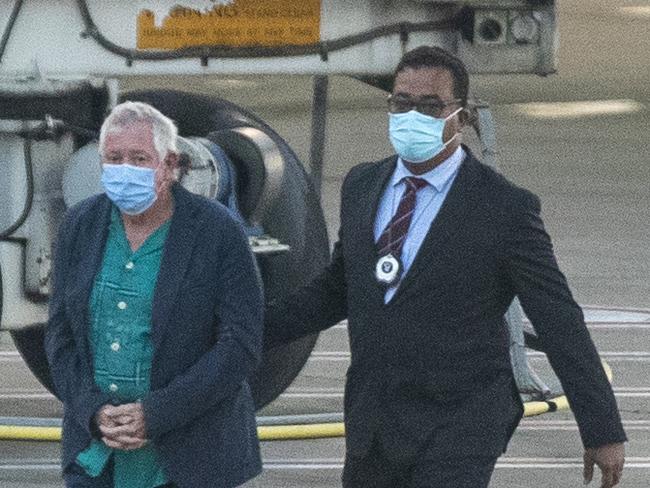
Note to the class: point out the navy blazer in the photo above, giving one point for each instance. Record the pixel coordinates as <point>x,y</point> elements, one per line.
<point>207,324</point>
<point>433,364</point>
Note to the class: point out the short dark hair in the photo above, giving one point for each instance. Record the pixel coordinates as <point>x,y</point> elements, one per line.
<point>435,57</point>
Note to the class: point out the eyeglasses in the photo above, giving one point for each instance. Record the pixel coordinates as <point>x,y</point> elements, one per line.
<point>399,104</point>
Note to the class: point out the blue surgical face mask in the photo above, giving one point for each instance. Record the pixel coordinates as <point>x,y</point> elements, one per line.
<point>131,188</point>
<point>416,137</point>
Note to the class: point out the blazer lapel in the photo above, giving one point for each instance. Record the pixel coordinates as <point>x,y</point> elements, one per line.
<point>90,253</point>
<point>176,256</point>
<point>454,212</point>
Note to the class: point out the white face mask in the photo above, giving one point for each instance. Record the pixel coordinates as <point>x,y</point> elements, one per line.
<point>416,137</point>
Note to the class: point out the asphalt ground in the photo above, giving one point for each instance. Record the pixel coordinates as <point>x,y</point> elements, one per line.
<point>545,451</point>
<point>587,161</point>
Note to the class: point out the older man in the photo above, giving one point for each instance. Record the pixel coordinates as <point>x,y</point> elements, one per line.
<point>433,247</point>
<point>155,324</point>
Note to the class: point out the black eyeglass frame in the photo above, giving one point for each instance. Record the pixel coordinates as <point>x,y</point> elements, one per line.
<point>433,108</point>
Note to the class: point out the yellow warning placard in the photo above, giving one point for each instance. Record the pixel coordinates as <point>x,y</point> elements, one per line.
<point>240,23</point>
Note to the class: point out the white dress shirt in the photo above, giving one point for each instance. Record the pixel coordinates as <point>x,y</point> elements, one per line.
<point>428,203</point>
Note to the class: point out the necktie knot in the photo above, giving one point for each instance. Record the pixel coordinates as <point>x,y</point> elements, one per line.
<point>415,184</point>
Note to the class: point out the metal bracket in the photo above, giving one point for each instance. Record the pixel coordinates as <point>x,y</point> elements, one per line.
<point>266,245</point>
<point>318,131</point>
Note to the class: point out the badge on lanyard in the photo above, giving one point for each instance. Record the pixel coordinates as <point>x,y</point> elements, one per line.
<point>388,270</point>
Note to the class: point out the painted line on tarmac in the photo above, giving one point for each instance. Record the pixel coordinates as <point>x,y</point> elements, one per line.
<point>338,393</point>
<point>297,393</point>
<point>607,325</point>
<point>590,325</point>
<point>577,109</point>
<point>574,428</point>
<point>311,395</point>
<point>27,396</point>
<point>603,354</point>
<point>330,354</point>
<point>560,422</point>
<point>571,422</point>
<point>631,392</point>
<point>310,392</point>
<point>614,356</point>
<point>534,355</point>
<point>26,464</point>
<point>31,467</point>
<point>336,463</point>
<point>612,313</point>
<point>335,389</point>
<point>504,463</point>
<point>610,359</point>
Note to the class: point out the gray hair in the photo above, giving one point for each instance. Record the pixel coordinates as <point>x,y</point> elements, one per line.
<point>163,129</point>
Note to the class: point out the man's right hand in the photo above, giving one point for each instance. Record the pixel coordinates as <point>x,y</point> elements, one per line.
<point>610,459</point>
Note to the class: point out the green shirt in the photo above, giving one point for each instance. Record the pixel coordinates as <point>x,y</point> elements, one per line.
<point>120,337</point>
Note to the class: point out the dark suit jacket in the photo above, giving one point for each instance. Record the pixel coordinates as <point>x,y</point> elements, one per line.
<point>436,357</point>
<point>207,328</point>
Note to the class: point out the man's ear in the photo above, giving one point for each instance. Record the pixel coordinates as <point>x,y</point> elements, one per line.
<point>464,116</point>
<point>171,160</point>
<point>467,116</point>
<point>170,163</point>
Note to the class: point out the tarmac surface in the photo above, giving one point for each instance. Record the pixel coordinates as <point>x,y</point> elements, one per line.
<point>578,139</point>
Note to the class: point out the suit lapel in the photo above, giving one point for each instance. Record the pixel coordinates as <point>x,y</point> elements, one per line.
<point>176,256</point>
<point>372,192</point>
<point>455,210</point>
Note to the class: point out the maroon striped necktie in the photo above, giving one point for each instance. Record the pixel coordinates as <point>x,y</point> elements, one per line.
<point>392,238</point>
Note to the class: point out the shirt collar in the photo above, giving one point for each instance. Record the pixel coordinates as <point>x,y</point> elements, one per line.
<point>438,177</point>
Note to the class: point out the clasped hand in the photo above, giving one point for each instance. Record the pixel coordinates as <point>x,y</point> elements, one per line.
<point>122,427</point>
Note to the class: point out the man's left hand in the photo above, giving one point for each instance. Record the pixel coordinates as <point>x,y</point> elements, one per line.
<point>610,459</point>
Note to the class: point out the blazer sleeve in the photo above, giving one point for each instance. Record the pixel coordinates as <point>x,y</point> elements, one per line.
<point>221,371</point>
<point>559,322</point>
<point>314,307</point>
<point>74,382</point>
<point>320,304</point>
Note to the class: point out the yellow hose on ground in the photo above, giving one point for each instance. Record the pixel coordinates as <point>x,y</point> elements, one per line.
<point>298,432</point>
<point>24,433</point>
<point>278,432</point>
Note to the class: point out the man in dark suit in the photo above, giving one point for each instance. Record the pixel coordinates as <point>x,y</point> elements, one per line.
<point>433,247</point>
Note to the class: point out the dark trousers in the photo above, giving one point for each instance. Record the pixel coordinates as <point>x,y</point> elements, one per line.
<point>376,470</point>
<point>75,477</point>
